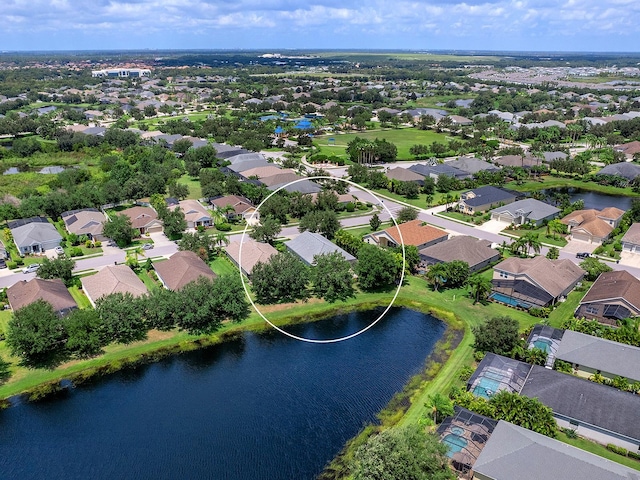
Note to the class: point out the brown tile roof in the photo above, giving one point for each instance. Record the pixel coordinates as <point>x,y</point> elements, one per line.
<point>632,235</point>
<point>554,276</point>
<point>193,210</point>
<point>415,232</point>
<point>629,148</point>
<point>182,268</point>
<point>140,216</point>
<point>617,284</point>
<point>252,253</point>
<point>590,220</point>
<point>266,171</point>
<point>238,203</point>
<point>113,279</point>
<point>461,247</point>
<point>280,178</point>
<point>53,291</point>
<point>517,161</point>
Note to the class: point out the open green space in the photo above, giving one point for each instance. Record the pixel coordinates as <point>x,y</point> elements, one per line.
<point>195,190</point>
<point>403,138</point>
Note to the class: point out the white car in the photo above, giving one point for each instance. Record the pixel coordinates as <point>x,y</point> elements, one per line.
<point>31,268</point>
<point>59,250</point>
<point>147,246</point>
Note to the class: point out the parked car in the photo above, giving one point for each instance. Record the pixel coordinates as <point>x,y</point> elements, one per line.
<point>31,268</point>
<point>59,250</point>
<point>147,246</point>
<point>3,263</point>
<point>583,255</point>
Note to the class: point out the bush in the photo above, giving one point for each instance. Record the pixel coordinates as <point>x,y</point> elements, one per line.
<point>19,261</point>
<point>465,373</point>
<point>97,244</point>
<point>599,250</point>
<point>75,252</point>
<point>569,432</point>
<point>539,312</point>
<point>478,356</point>
<point>616,449</point>
<point>223,227</point>
<point>350,207</point>
<point>88,244</point>
<point>634,455</point>
<point>11,265</point>
<point>617,246</point>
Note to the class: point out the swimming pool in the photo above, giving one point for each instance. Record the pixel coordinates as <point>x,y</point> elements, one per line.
<point>542,344</point>
<point>486,387</point>
<point>454,443</point>
<point>499,297</point>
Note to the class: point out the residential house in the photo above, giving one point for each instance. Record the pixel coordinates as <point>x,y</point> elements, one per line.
<point>515,453</point>
<point>404,175</point>
<point>524,211</point>
<point>416,233</point>
<point>53,291</point>
<point>627,170</point>
<point>86,221</point>
<point>631,239</point>
<point>614,296</point>
<point>484,198</point>
<point>252,253</point>
<point>472,165</point>
<point>518,161</point>
<point>112,279</point>
<point>264,172</point>
<point>460,120</point>
<point>597,412</point>
<point>591,355</point>
<point>591,225</point>
<point>284,177</point>
<point>242,208</point>
<point>537,281</point>
<point>143,219</point>
<point>434,171</point>
<point>34,235</point>
<point>195,214</point>
<point>477,253</point>
<point>307,245</point>
<point>182,268</point>
<point>301,184</point>
<point>629,149</point>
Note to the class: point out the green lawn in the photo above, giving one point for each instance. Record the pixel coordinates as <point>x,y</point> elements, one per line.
<point>421,201</point>
<point>599,450</point>
<point>80,298</point>
<point>462,217</point>
<point>195,190</point>
<point>558,241</point>
<point>222,266</point>
<point>5,316</point>
<point>403,138</point>
<point>149,282</point>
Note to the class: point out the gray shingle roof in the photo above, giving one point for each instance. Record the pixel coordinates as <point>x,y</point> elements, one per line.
<point>600,354</point>
<point>437,170</point>
<point>585,401</point>
<point>624,169</point>
<point>532,208</point>
<point>308,244</point>
<point>35,233</point>
<point>515,453</point>
<point>472,165</point>
<point>461,247</point>
<point>489,195</point>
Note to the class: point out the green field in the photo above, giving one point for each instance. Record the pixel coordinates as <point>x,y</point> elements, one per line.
<point>403,138</point>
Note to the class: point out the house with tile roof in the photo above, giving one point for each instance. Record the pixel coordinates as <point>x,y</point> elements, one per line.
<point>252,253</point>
<point>52,291</point>
<point>629,149</point>
<point>86,221</point>
<point>404,175</point>
<point>537,281</point>
<point>631,239</point>
<point>112,279</point>
<point>478,254</point>
<point>591,225</point>
<point>484,198</point>
<point>34,235</point>
<point>143,219</point>
<point>194,213</point>
<point>524,211</point>
<point>263,172</point>
<point>614,296</point>
<point>590,355</point>
<point>415,232</point>
<point>182,268</point>
<point>242,208</point>
<point>308,244</point>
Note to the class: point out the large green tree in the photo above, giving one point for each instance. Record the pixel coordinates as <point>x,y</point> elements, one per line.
<point>122,317</point>
<point>37,335</point>
<point>284,278</point>
<point>332,277</point>
<point>199,243</point>
<point>376,267</point>
<point>174,223</point>
<point>119,229</point>
<point>324,222</point>
<point>267,231</point>
<point>60,267</point>
<point>594,267</point>
<point>84,329</point>
<point>497,335</point>
<point>404,453</point>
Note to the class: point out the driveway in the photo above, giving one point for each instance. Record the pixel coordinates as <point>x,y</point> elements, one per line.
<point>576,246</point>
<point>630,259</point>
<point>160,239</point>
<point>493,226</point>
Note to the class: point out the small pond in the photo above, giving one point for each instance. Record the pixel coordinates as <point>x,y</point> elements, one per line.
<point>593,199</point>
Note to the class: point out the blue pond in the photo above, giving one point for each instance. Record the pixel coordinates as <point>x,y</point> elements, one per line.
<point>261,407</point>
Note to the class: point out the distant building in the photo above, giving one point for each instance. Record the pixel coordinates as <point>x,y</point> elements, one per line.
<point>121,73</point>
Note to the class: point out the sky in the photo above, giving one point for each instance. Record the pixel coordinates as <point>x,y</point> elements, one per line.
<point>511,25</point>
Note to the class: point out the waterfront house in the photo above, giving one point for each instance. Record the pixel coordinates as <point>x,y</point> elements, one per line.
<point>478,254</point>
<point>591,225</point>
<point>307,245</point>
<point>524,211</point>
<point>484,198</point>
<point>252,253</point>
<point>54,292</point>
<point>112,279</point>
<point>182,268</point>
<point>415,232</point>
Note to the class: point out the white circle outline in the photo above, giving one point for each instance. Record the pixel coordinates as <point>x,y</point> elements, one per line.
<point>331,340</point>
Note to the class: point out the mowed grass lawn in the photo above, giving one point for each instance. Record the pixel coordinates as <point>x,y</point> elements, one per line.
<point>195,191</point>
<point>403,138</point>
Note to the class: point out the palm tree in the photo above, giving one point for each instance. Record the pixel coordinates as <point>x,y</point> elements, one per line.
<point>440,405</point>
<point>220,238</point>
<point>555,226</point>
<point>429,199</point>
<point>436,275</point>
<point>518,245</point>
<point>480,287</point>
<point>532,241</point>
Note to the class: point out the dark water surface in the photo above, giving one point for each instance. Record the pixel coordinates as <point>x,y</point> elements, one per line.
<point>594,199</point>
<point>264,407</point>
